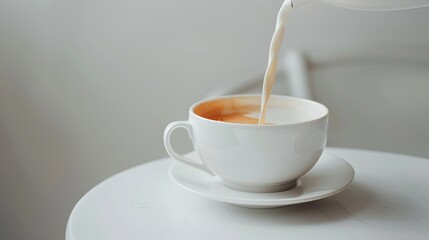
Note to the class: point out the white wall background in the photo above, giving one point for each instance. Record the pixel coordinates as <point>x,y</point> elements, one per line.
<point>87,86</point>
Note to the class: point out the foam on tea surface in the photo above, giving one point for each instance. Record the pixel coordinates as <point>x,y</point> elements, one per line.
<point>228,110</point>
<point>247,112</point>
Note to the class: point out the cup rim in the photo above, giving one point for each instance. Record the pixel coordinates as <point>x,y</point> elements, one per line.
<point>192,113</point>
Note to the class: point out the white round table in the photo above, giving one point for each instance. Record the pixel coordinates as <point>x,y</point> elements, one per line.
<point>388,199</point>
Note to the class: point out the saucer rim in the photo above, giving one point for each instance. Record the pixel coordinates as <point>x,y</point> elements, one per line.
<point>266,202</point>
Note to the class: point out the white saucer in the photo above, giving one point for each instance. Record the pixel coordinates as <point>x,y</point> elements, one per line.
<point>329,176</point>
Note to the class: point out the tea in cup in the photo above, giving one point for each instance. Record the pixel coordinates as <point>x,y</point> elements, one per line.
<point>250,157</point>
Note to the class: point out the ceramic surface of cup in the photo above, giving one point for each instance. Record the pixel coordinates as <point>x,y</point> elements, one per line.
<point>251,157</point>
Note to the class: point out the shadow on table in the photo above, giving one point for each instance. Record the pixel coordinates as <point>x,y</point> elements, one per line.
<point>336,208</point>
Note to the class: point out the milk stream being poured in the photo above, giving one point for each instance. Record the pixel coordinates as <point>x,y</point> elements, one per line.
<point>270,73</point>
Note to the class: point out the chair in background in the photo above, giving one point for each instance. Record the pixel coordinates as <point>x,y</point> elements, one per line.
<point>377,96</point>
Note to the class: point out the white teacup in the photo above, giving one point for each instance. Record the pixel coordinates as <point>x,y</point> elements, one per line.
<point>255,158</point>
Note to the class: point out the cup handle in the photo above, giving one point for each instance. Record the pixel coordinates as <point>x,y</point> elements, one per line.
<point>173,154</point>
